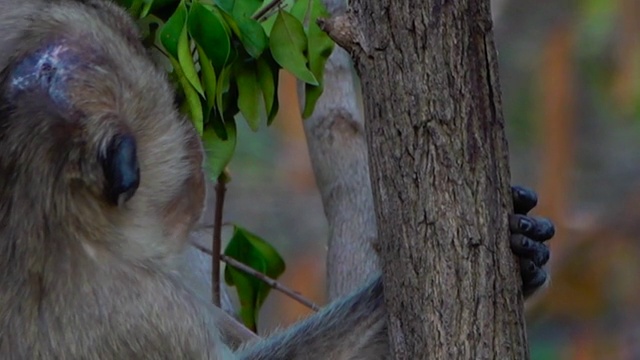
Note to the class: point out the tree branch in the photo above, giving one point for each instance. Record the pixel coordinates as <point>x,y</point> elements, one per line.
<point>262,14</point>
<point>260,276</point>
<point>344,30</point>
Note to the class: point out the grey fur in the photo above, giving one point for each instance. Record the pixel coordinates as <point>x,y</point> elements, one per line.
<point>81,278</point>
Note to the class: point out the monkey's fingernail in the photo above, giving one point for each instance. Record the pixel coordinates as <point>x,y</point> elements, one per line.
<point>525,224</point>
<point>523,199</point>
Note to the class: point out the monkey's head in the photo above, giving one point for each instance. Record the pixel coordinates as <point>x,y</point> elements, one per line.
<point>90,141</point>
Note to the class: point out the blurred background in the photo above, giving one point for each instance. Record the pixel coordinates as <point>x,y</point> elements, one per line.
<point>570,75</point>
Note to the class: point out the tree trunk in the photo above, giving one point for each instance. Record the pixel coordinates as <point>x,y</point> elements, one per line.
<point>440,178</point>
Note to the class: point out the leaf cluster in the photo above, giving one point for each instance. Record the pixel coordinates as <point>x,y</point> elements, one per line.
<point>225,57</point>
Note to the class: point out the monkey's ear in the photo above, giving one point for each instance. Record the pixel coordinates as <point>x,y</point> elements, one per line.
<point>121,169</point>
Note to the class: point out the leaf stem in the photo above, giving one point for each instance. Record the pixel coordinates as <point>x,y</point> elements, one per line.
<point>216,244</point>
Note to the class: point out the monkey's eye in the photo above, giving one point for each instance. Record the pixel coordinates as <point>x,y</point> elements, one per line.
<point>121,169</point>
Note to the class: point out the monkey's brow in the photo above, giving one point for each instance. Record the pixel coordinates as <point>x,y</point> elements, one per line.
<point>47,69</point>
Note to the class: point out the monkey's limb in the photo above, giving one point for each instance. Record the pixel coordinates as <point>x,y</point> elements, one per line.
<point>353,328</point>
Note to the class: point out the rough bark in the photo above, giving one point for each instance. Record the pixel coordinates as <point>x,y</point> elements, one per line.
<point>440,178</point>
<point>338,152</point>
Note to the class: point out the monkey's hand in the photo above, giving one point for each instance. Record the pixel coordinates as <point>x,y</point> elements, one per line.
<point>528,235</point>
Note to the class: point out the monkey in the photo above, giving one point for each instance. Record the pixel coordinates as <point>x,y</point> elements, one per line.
<point>102,180</point>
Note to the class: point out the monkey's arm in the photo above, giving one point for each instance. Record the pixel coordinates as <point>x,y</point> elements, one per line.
<point>355,327</point>
<point>351,328</point>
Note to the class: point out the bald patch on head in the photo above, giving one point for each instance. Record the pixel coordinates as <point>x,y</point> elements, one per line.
<point>46,70</point>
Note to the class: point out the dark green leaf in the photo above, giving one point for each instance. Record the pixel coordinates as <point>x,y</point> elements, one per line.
<point>226,5</point>
<point>222,87</point>
<point>267,80</point>
<point>248,93</point>
<point>136,8</point>
<point>256,253</point>
<point>186,62</point>
<point>172,30</point>
<point>207,29</point>
<point>217,124</point>
<point>300,10</point>
<point>250,33</point>
<point>274,110</point>
<point>288,45</point>
<point>267,24</point>
<point>208,75</point>
<point>146,8</point>
<point>192,99</point>
<point>275,72</point>
<point>159,4</point>
<point>246,8</point>
<point>219,152</point>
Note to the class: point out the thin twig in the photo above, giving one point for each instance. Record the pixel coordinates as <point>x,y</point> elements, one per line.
<point>216,244</point>
<point>160,49</point>
<point>267,280</point>
<point>265,10</point>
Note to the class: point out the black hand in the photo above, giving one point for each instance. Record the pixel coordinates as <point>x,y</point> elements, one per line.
<point>528,235</point>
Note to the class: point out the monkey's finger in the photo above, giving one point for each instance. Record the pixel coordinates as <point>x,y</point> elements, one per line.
<point>533,277</point>
<point>524,199</point>
<point>538,229</point>
<point>526,248</point>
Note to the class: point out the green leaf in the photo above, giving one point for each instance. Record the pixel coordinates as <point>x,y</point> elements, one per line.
<point>300,10</point>
<point>186,62</point>
<point>250,33</point>
<point>246,8</point>
<point>248,93</point>
<point>217,124</point>
<point>267,24</point>
<point>159,4</point>
<point>219,152</point>
<point>320,48</point>
<point>136,8</point>
<point>222,87</point>
<point>226,5</point>
<point>274,110</point>
<point>208,75</point>
<point>193,103</point>
<point>172,30</point>
<point>288,45</point>
<point>207,29</point>
<point>146,8</point>
<point>275,71</point>
<point>256,253</point>
<point>267,78</point>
